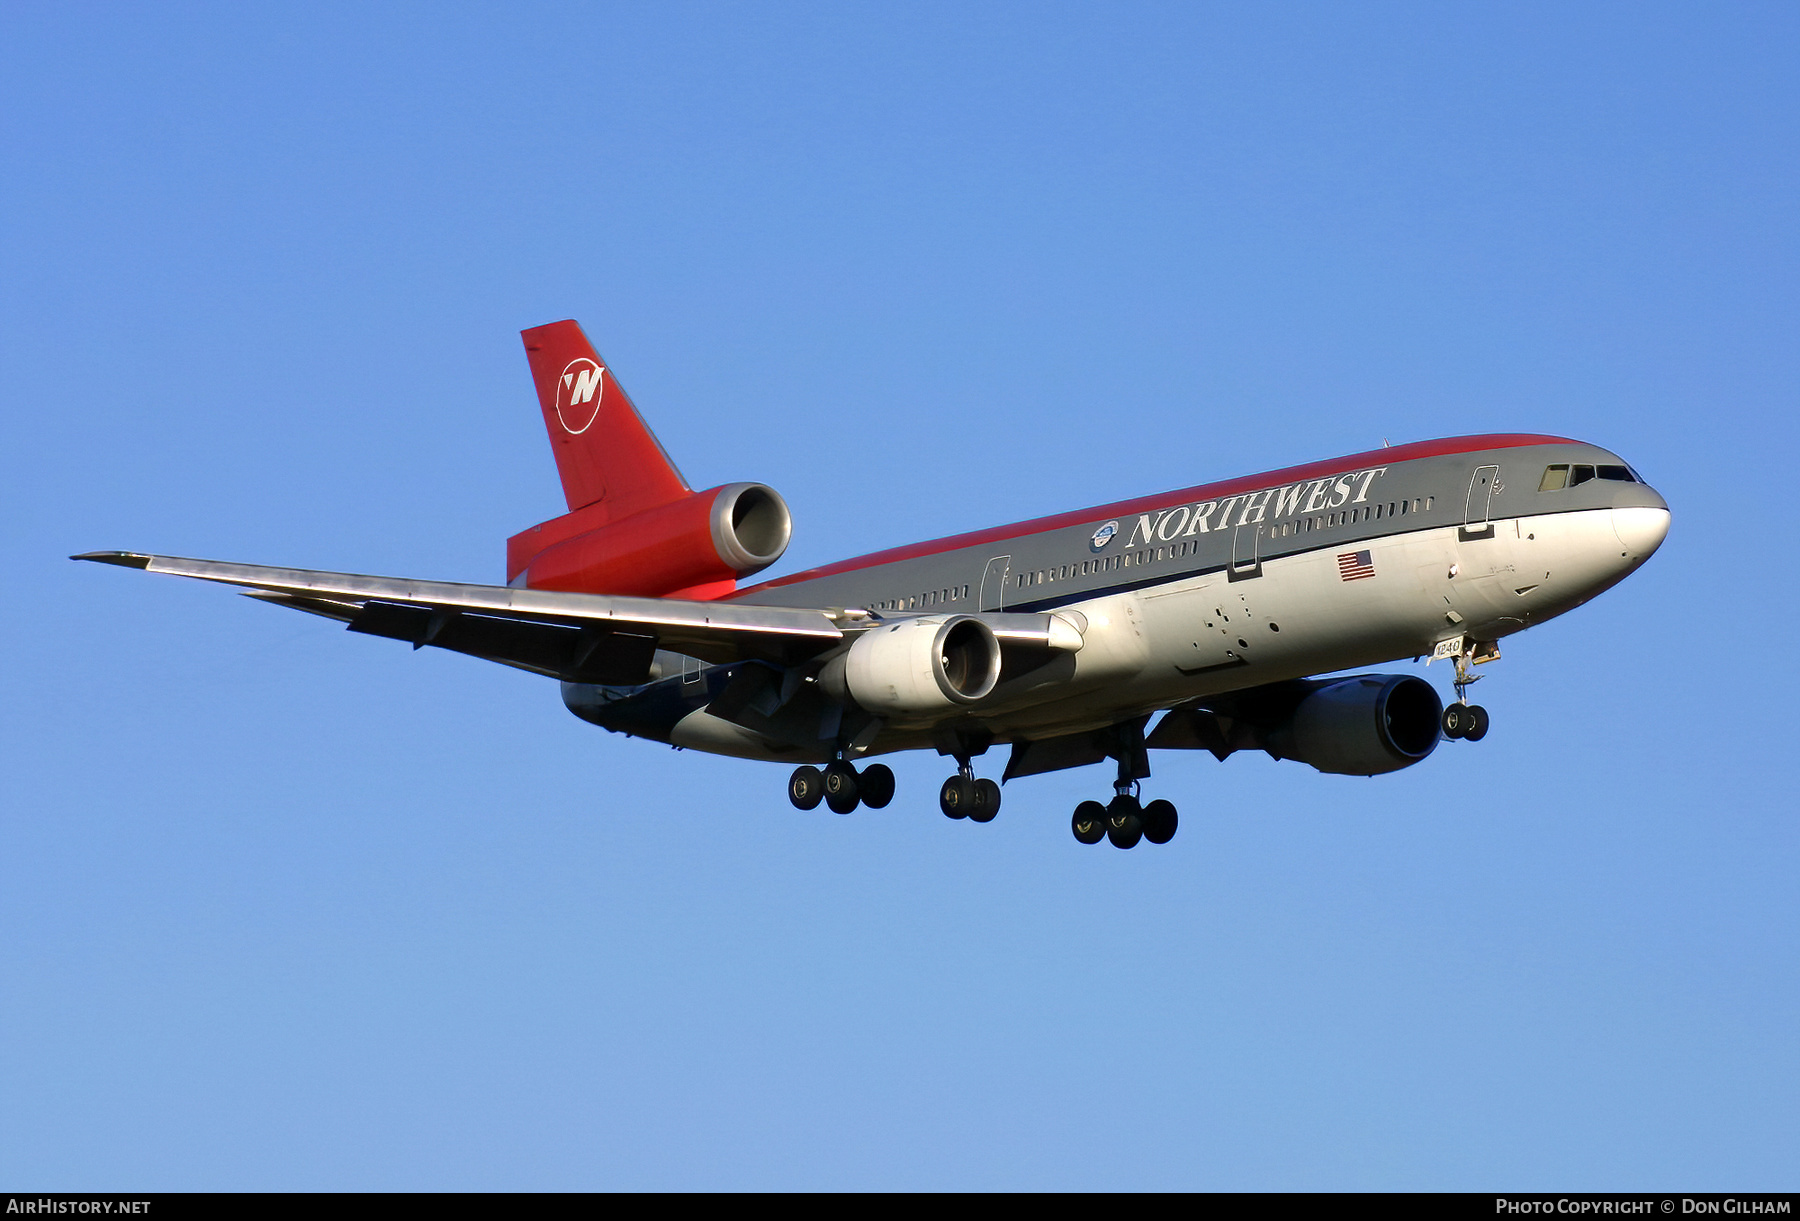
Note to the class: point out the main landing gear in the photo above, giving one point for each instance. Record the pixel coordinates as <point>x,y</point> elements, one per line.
<point>1124,820</point>
<point>841,787</point>
<point>1463,719</point>
<point>963,796</point>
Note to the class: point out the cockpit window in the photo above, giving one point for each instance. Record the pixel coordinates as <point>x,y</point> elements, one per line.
<point>1563,475</point>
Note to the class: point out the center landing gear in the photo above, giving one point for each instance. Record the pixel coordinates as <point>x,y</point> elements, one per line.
<point>1124,820</point>
<point>841,787</point>
<point>963,796</point>
<point>1463,719</point>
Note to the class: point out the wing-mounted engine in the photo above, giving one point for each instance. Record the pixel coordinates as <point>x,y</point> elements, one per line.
<point>909,671</point>
<point>1361,726</point>
<point>697,546</point>
<point>917,666</point>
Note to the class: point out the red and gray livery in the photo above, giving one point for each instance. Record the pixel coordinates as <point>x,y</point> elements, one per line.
<point>1197,619</point>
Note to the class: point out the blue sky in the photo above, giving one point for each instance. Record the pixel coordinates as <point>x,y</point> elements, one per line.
<point>288,908</point>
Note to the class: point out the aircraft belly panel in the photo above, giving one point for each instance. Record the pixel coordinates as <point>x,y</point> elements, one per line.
<point>701,730</point>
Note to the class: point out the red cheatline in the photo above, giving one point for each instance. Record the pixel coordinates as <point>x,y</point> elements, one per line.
<point>1355,565</point>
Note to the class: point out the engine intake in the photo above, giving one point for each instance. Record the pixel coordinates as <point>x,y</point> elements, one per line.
<point>928,664</point>
<point>1362,726</point>
<point>702,540</point>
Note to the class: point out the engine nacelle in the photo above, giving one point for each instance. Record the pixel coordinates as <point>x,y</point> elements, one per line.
<point>703,539</point>
<point>922,665</point>
<point>1362,726</point>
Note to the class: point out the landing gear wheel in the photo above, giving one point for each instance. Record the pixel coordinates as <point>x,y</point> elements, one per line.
<point>1124,821</point>
<point>840,787</point>
<point>957,797</point>
<point>1160,822</point>
<point>987,801</point>
<point>806,787</point>
<point>1478,723</point>
<point>876,784</point>
<point>1457,720</point>
<point>1089,823</point>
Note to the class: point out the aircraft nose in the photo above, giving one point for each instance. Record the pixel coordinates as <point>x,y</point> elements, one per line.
<point>1641,530</point>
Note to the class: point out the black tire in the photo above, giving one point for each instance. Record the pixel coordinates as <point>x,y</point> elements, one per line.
<point>876,783</point>
<point>955,798</point>
<point>841,792</point>
<point>1478,723</point>
<point>1124,822</point>
<point>806,787</point>
<point>1456,720</point>
<point>987,801</point>
<point>1089,823</point>
<point>1160,821</point>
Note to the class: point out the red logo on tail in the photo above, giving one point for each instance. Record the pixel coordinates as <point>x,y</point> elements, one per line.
<point>578,395</point>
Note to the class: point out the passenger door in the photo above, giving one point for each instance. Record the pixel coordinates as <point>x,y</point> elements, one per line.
<point>1246,552</point>
<point>993,583</point>
<point>1476,508</point>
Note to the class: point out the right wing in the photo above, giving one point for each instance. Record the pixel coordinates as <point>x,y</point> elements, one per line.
<point>585,638</point>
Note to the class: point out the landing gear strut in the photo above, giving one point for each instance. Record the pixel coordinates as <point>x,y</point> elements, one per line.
<point>1463,719</point>
<point>1125,820</point>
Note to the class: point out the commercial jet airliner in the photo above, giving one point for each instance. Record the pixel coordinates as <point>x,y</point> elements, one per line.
<point>1209,609</point>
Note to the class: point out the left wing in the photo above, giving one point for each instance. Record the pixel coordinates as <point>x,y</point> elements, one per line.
<point>587,638</point>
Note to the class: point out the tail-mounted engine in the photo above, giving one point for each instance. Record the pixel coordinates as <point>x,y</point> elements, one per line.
<point>1360,726</point>
<point>696,546</point>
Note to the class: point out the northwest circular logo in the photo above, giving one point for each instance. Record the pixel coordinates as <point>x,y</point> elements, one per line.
<point>578,394</point>
<point>1104,535</point>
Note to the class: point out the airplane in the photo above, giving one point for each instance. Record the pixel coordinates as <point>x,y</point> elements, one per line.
<point>1212,609</point>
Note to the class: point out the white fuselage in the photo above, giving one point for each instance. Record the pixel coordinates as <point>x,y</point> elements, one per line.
<point>1155,647</point>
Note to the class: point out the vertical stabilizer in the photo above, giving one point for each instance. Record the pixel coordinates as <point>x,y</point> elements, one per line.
<point>604,453</point>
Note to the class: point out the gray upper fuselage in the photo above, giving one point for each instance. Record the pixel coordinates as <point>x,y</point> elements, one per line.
<point>1236,524</point>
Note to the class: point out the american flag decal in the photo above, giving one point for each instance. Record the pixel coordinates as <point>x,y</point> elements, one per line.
<point>1355,565</point>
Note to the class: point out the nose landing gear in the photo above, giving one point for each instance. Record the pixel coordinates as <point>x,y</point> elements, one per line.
<point>1463,719</point>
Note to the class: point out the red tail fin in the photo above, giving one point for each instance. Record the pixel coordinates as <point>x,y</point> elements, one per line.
<point>603,450</point>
